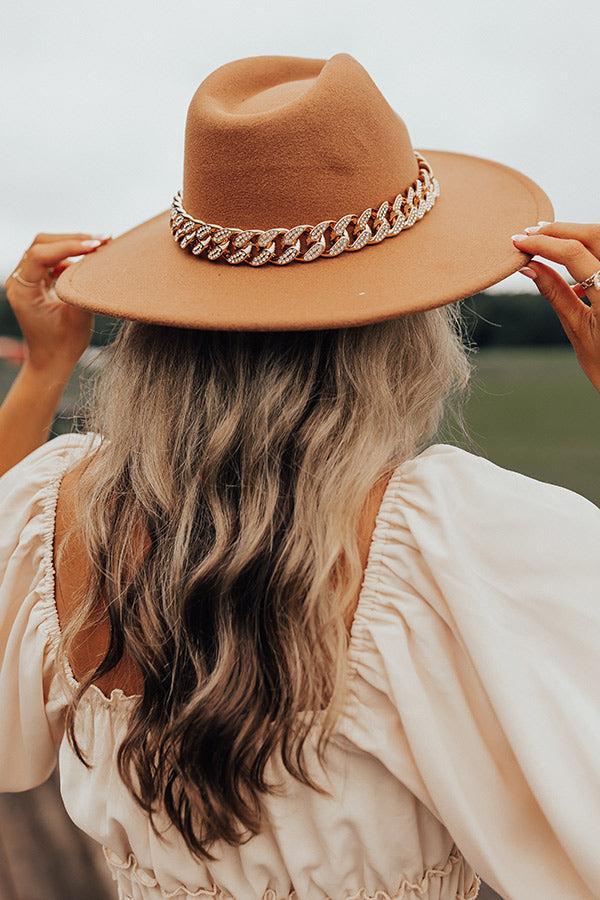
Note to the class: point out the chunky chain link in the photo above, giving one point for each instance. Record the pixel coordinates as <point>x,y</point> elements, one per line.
<point>305,243</point>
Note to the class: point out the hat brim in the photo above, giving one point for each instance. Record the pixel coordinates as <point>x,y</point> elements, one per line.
<point>459,248</point>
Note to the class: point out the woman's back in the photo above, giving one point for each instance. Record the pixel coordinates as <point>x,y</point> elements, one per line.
<point>449,735</point>
<point>73,568</point>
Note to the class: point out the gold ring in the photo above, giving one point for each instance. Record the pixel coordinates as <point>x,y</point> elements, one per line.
<point>592,281</point>
<point>28,284</point>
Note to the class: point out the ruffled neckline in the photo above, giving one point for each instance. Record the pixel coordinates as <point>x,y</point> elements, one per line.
<point>117,699</point>
<point>49,500</point>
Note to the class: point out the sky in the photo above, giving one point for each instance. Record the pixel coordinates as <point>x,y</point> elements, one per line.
<point>93,97</point>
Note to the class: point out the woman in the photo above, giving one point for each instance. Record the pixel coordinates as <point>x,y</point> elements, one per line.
<point>282,643</point>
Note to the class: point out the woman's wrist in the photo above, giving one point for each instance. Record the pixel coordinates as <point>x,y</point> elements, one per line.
<point>48,372</point>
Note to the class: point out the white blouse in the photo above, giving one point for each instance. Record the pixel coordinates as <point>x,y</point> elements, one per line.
<point>470,741</point>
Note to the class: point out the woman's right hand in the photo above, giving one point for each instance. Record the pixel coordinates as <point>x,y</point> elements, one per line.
<point>55,334</point>
<point>577,247</point>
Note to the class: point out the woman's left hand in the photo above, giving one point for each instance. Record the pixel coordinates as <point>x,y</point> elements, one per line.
<point>577,247</point>
<point>55,334</point>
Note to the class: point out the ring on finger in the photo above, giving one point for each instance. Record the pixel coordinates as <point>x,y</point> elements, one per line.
<point>592,281</point>
<point>28,284</point>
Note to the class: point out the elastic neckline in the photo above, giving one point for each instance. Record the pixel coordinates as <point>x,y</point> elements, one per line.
<point>372,571</point>
<point>53,629</point>
<point>117,697</point>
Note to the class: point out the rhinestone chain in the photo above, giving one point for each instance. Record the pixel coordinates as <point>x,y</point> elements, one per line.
<point>306,242</point>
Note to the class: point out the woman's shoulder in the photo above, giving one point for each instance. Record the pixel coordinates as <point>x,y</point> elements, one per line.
<point>32,698</point>
<point>454,479</point>
<point>452,516</point>
<point>474,561</point>
<point>48,459</point>
<point>476,656</point>
<point>28,489</point>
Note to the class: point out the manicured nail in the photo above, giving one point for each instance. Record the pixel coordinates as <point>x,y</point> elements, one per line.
<point>541,223</point>
<point>94,243</point>
<point>519,237</point>
<point>533,228</point>
<point>530,273</point>
<point>102,237</point>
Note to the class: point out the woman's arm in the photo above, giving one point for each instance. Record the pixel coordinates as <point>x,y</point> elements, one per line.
<point>27,413</point>
<point>55,335</point>
<point>577,247</point>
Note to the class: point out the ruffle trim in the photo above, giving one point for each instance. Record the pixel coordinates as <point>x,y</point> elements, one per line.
<point>131,869</point>
<point>48,497</point>
<point>369,594</point>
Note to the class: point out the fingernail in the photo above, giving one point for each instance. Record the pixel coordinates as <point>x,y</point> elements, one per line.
<point>541,223</point>
<point>102,237</point>
<point>94,243</point>
<point>519,237</point>
<point>533,228</point>
<point>529,273</point>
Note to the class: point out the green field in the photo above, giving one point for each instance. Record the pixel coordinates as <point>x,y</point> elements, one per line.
<point>531,409</point>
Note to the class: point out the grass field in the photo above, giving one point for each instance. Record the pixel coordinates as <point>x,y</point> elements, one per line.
<point>531,409</point>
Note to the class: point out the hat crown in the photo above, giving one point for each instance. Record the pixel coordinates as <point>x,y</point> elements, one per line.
<point>277,141</point>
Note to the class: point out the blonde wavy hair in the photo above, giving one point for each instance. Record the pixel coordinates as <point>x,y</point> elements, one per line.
<point>245,458</point>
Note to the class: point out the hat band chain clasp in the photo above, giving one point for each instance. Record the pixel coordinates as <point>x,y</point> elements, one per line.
<point>306,243</point>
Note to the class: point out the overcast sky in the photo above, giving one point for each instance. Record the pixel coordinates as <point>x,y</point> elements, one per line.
<point>94,96</point>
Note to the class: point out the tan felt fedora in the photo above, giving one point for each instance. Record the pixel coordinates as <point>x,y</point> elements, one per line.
<point>304,205</point>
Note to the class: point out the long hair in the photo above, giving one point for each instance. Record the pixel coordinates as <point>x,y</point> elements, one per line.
<point>244,459</point>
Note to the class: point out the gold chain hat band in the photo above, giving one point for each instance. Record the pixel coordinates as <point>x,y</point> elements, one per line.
<point>306,243</point>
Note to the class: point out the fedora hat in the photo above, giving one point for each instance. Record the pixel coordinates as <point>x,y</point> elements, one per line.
<point>304,205</point>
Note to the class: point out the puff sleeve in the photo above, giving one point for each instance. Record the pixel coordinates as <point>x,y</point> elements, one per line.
<point>30,703</point>
<point>487,630</point>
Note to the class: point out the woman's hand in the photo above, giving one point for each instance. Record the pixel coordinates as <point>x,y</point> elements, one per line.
<point>577,247</point>
<point>55,334</point>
